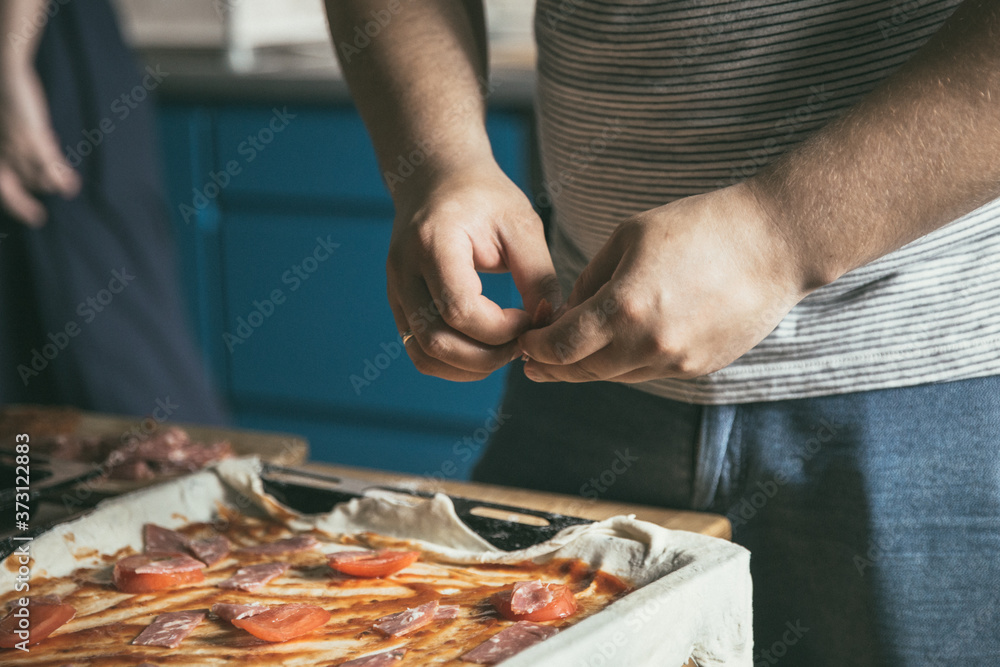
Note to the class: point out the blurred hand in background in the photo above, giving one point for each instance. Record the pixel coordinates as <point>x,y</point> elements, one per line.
<point>31,163</point>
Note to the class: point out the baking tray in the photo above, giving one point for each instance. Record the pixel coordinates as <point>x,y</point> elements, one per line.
<point>693,597</point>
<point>39,480</point>
<point>505,527</point>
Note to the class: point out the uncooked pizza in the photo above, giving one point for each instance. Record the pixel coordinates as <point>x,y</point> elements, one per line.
<point>251,590</point>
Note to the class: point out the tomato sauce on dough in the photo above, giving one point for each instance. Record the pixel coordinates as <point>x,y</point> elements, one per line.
<point>107,620</point>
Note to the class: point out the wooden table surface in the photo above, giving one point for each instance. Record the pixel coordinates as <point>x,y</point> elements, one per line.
<point>698,522</point>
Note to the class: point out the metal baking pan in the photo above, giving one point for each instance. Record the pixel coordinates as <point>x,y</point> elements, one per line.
<point>505,527</point>
<point>694,599</point>
<point>25,487</point>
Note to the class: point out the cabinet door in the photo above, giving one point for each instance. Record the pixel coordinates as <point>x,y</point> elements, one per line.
<point>307,155</point>
<point>307,322</point>
<point>299,155</point>
<point>444,452</point>
<point>284,266</point>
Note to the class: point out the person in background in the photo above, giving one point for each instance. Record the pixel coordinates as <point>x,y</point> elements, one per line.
<point>90,309</point>
<point>778,229</point>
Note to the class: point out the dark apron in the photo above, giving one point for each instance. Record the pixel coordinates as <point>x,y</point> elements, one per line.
<point>90,309</point>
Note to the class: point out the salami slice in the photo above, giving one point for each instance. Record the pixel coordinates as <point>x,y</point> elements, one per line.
<point>169,630</point>
<point>508,642</point>
<point>405,622</point>
<point>286,546</point>
<point>252,577</point>
<point>158,538</point>
<point>167,563</point>
<point>231,612</point>
<point>446,611</point>
<point>377,659</point>
<point>211,550</point>
<point>530,596</point>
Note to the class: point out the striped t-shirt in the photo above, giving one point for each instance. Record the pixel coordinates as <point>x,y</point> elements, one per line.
<point>643,102</point>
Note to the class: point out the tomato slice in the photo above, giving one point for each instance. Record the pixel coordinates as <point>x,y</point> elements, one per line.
<point>155,571</point>
<point>563,604</point>
<point>42,621</point>
<point>279,624</point>
<point>372,563</point>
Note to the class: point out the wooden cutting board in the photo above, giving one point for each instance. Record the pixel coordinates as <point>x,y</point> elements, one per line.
<point>41,421</point>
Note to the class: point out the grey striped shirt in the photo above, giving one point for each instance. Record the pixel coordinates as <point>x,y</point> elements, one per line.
<point>640,103</point>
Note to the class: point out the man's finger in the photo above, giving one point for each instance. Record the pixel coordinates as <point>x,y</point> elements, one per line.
<point>17,201</point>
<point>606,363</point>
<point>577,334</point>
<point>643,374</point>
<point>62,179</point>
<point>457,291</point>
<point>438,340</point>
<point>530,264</point>
<point>598,271</point>
<point>424,363</point>
<point>53,173</point>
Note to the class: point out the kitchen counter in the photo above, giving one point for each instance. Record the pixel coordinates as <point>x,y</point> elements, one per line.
<point>304,74</point>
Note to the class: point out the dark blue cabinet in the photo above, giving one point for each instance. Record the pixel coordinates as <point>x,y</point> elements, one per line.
<point>283,223</point>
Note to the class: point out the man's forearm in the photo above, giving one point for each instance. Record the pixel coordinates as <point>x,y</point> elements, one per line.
<point>417,72</point>
<point>918,152</point>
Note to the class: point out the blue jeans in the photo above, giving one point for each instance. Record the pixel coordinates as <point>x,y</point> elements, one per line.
<point>873,518</point>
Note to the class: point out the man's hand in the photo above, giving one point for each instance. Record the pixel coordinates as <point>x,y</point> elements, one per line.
<point>678,291</point>
<point>687,288</point>
<point>419,83</point>
<point>476,220</point>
